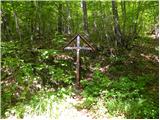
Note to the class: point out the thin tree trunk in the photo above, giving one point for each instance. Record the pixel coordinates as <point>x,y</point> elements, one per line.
<point>141,23</point>
<point>102,29</point>
<point>76,23</point>
<point>136,21</point>
<point>94,22</point>
<point>123,7</point>
<point>4,27</point>
<point>60,18</point>
<point>85,20</point>
<point>68,19</point>
<point>116,24</point>
<point>17,23</point>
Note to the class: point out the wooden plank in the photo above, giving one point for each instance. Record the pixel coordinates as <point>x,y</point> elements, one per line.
<point>85,48</point>
<point>75,48</point>
<point>77,65</point>
<point>70,41</point>
<point>70,48</point>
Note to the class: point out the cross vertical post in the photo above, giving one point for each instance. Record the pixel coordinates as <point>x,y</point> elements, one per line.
<point>78,63</point>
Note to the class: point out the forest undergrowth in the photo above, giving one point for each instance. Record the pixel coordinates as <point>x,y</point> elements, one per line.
<point>124,85</point>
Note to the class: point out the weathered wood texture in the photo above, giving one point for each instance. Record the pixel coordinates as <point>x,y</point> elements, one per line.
<point>78,39</point>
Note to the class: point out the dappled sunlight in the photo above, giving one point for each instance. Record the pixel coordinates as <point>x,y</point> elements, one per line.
<point>62,56</point>
<point>104,69</point>
<point>63,109</point>
<point>150,57</point>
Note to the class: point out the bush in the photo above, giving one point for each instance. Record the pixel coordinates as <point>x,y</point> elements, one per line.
<point>94,87</point>
<point>127,97</point>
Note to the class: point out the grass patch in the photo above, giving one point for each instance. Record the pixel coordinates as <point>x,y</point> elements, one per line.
<point>125,96</point>
<point>44,103</point>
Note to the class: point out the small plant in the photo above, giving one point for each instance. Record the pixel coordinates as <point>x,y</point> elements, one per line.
<point>95,86</point>
<point>93,89</point>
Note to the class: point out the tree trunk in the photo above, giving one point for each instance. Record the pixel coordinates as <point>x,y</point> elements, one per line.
<point>60,18</point>
<point>116,25</point>
<point>123,7</point>
<point>5,26</point>
<point>68,18</point>
<point>136,22</point>
<point>17,23</point>
<point>85,21</point>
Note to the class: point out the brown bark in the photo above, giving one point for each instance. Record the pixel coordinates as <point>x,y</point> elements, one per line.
<point>85,20</point>
<point>136,21</point>
<point>68,19</point>
<point>60,18</point>
<point>116,24</point>
<point>16,22</point>
<point>123,7</point>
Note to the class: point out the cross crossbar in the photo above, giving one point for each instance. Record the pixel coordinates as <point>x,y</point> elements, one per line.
<point>75,48</point>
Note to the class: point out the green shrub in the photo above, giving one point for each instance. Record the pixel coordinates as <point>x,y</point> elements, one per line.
<point>127,96</point>
<point>98,83</point>
<point>123,97</point>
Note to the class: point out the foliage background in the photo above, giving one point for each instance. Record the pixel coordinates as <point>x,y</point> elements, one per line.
<point>121,75</point>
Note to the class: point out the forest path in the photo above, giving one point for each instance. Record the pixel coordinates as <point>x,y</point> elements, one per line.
<point>71,113</point>
<point>66,111</point>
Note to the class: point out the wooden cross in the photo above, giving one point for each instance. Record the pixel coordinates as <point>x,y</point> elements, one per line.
<point>78,39</point>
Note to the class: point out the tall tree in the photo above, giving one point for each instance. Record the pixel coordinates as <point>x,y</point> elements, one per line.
<point>17,22</point>
<point>136,21</point>
<point>85,20</point>
<point>68,18</point>
<point>60,8</point>
<point>123,8</point>
<point>117,31</point>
